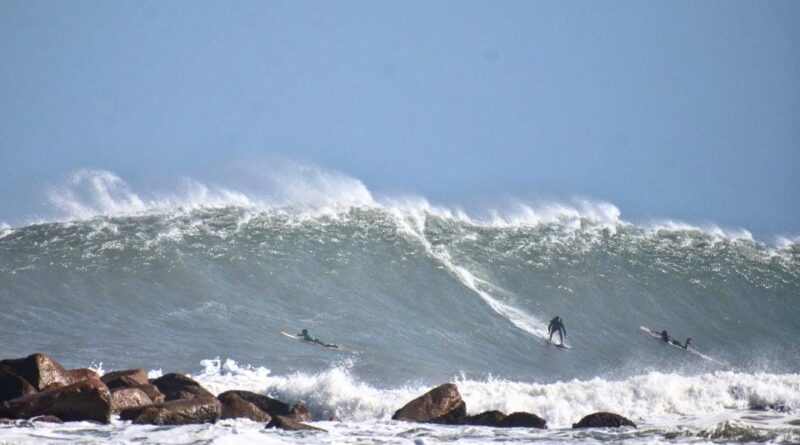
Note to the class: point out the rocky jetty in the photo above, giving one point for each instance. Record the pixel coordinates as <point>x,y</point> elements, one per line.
<point>36,388</point>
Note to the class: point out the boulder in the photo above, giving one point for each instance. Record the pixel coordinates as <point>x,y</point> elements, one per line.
<point>152,392</point>
<point>267,404</point>
<point>300,413</point>
<point>128,378</point>
<point>125,398</point>
<point>6,421</point>
<point>175,412</point>
<point>523,420</point>
<point>84,400</point>
<point>442,404</point>
<point>287,423</point>
<point>76,375</point>
<point>180,387</point>
<point>602,420</point>
<point>39,370</point>
<point>13,386</point>
<point>486,418</point>
<point>233,406</point>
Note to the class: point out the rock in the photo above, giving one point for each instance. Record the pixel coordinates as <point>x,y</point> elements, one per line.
<point>442,404</point>
<point>125,398</point>
<point>267,404</point>
<point>39,370</point>
<point>84,400</point>
<point>152,392</point>
<point>175,412</point>
<point>76,375</point>
<point>233,406</point>
<point>12,385</point>
<point>523,420</point>
<point>300,413</point>
<point>6,421</point>
<point>48,419</point>
<point>128,378</point>
<point>290,424</point>
<point>180,387</point>
<point>487,418</point>
<point>602,420</point>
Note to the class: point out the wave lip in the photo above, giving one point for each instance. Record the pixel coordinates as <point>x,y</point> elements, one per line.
<point>314,192</point>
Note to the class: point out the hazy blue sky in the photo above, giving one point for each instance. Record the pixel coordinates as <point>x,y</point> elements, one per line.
<point>687,110</point>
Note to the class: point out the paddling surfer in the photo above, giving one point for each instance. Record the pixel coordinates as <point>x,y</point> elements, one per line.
<point>665,336</point>
<point>305,335</point>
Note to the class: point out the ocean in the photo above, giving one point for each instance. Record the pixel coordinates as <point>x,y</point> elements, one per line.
<point>418,295</point>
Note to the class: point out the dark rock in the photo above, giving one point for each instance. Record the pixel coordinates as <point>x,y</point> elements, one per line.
<point>602,420</point>
<point>442,404</point>
<point>175,412</point>
<point>39,370</point>
<point>48,419</point>
<point>300,413</point>
<point>125,398</point>
<point>84,400</point>
<point>77,375</point>
<point>129,378</point>
<point>290,424</point>
<point>523,420</point>
<point>12,385</point>
<point>180,387</point>
<point>152,392</point>
<point>233,406</point>
<point>335,418</point>
<point>267,404</point>
<point>795,422</point>
<point>486,418</point>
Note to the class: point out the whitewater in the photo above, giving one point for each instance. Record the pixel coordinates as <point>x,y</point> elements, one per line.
<point>202,280</point>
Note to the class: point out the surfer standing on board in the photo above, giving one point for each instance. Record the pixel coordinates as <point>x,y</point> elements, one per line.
<point>557,325</point>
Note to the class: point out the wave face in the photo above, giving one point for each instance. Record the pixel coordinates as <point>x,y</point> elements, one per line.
<point>422,293</point>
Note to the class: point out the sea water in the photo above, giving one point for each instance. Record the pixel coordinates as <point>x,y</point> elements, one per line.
<point>419,295</point>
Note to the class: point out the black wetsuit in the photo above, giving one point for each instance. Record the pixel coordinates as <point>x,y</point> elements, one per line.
<point>556,325</point>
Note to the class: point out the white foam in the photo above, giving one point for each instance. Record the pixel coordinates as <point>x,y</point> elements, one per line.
<point>715,232</point>
<point>787,242</point>
<point>5,230</point>
<point>667,397</point>
<point>310,192</point>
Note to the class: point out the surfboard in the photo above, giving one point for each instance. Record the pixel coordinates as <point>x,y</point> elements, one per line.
<point>690,349</point>
<point>657,335</point>
<point>560,345</point>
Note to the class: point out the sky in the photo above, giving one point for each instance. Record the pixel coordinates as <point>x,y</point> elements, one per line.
<point>681,110</point>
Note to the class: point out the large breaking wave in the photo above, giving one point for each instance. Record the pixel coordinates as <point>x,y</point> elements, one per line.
<point>425,292</point>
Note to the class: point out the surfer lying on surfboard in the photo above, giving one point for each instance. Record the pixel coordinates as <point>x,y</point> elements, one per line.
<point>305,335</point>
<point>672,341</point>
